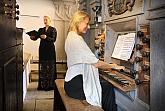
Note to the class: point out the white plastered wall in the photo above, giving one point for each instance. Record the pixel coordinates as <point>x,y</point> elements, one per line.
<point>31,18</point>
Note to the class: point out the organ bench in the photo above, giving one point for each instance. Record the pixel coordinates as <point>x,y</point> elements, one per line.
<point>63,102</point>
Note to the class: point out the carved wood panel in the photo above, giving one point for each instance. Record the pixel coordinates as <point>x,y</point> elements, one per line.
<point>117,7</point>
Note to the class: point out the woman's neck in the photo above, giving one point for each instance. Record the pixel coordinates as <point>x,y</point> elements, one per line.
<point>76,32</point>
<point>46,27</point>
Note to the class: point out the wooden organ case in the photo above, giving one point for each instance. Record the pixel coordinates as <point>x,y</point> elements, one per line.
<point>11,58</point>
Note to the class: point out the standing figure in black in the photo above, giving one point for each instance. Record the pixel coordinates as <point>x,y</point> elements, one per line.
<point>47,55</point>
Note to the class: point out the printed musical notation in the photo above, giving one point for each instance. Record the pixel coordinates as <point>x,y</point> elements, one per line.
<point>124,46</point>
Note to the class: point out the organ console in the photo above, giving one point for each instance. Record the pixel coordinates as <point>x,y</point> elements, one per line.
<point>143,18</point>
<point>120,79</point>
<point>135,76</point>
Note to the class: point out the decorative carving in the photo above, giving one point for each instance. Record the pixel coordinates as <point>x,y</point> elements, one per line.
<point>117,7</point>
<point>67,11</point>
<point>64,9</point>
<point>82,5</point>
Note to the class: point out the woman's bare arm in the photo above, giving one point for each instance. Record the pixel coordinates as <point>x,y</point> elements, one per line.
<point>106,66</point>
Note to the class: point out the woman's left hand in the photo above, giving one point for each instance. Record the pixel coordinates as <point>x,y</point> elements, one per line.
<point>43,36</point>
<point>116,67</point>
<point>119,67</point>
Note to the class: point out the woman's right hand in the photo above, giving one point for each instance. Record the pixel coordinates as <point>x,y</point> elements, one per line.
<point>117,67</point>
<point>32,37</point>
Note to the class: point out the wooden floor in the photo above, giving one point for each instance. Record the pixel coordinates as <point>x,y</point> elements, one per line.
<point>38,100</point>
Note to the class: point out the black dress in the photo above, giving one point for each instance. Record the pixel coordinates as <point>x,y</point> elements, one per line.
<point>47,59</point>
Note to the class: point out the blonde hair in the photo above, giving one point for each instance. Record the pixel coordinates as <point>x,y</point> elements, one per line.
<point>49,17</point>
<point>78,17</point>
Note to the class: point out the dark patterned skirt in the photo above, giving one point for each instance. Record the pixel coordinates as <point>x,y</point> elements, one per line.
<point>47,75</point>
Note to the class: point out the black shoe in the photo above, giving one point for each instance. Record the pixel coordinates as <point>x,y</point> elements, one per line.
<point>49,89</point>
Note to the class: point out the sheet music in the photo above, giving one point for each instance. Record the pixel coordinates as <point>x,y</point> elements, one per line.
<point>124,46</point>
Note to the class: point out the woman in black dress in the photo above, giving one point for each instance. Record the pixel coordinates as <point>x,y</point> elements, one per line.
<point>47,55</point>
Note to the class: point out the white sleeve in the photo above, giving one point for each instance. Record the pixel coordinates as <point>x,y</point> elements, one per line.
<point>78,51</point>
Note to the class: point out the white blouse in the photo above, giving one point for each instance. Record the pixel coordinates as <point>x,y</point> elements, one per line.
<point>73,49</point>
<point>73,71</point>
<point>80,60</point>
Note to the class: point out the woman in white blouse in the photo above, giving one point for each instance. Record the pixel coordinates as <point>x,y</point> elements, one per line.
<point>82,78</point>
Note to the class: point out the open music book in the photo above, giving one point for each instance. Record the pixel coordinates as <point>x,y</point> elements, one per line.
<point>124,46</point>
<point>32,33</point>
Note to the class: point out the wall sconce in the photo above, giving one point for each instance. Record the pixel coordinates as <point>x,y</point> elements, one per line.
<point>96,8</point>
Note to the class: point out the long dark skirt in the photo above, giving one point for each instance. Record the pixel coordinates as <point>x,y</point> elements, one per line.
<point>74,89</point>
<point>47,75</point>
